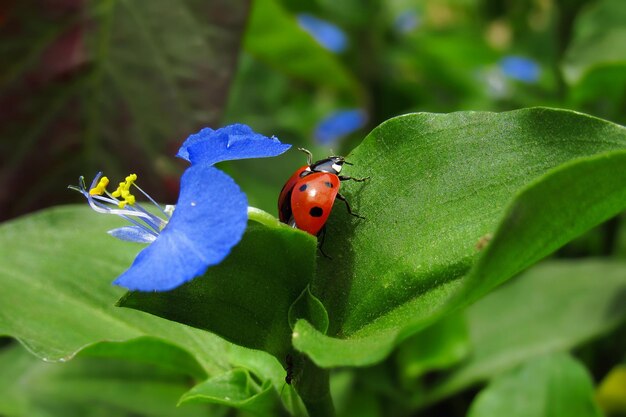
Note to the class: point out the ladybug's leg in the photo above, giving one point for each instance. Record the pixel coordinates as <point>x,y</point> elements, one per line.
<point>344,178</point>
<point>342,198</point>
<point>322,236</point>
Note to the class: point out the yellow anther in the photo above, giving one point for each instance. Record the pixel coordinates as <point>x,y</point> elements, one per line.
<point>100,188</point>
<point>123,191</point>
<point>130,199</point>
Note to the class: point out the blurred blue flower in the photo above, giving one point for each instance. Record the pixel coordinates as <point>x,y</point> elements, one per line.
<point>338,124</point>
<point>406,21</point>
<point>520,68</point>
<point>325,33</point>
<point>206,223</point>
<point>498,85</point>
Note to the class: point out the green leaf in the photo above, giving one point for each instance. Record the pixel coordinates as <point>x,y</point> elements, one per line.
<point>273,35</point>
<point>565,215</point>
<point>552,307</point>
<point>437,347</point>
<point>56,269</point>
<point>620,244</point>
<point>309,308</point>
<point>149,350</point>
<point>595,61</point>
<point>62,262</point>
<point>552,386</point>
<point>247,297</point>
<point>14,362</point>
<point>363,404</point>
<point>235,389</point>
<point>88,387</point>
<point>599,36</point>
<point>444,186</point>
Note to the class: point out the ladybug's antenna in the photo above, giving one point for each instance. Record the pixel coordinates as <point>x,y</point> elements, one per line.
<point>347,163</point>
<point>309,155</point>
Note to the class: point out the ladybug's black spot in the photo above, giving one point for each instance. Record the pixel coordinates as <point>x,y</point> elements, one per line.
<point>316,211</point>
<point>328,184</point>
<point>303,187</point>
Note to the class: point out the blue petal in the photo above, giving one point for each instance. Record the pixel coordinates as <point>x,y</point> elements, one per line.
<point>406,21</point>
<point>325,33</point>
<point>133,234</point>
<point>521,69</point>
<point>210,218</point>
<point>192,140</point>
<point>339,124</point>
<point>231,142</point>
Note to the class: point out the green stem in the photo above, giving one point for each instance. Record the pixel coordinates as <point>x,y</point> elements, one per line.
<point>312,384</point>
<point>262,217</point>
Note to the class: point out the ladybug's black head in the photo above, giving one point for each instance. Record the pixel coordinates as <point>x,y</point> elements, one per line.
<point>332,164</point>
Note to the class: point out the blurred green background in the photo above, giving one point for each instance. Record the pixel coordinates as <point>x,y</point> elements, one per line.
<point>117,85</point>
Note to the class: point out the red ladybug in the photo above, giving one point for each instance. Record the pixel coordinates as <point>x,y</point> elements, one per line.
<point>306,200</point>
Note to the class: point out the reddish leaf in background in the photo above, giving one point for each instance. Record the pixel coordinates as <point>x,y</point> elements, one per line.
<point>86,90</point>
<point>65,55</point>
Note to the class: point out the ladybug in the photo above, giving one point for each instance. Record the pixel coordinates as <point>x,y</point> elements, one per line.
<point>306,200</point>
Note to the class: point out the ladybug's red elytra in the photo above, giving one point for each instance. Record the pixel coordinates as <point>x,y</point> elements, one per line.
<point>306,200</point>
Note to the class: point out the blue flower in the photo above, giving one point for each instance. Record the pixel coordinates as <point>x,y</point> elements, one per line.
<point>406,21</point>
<point>325,33</point>
<point>520,68</point>
<point>206,223</point>
<point>232,142</point>
<point>339,124</point>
